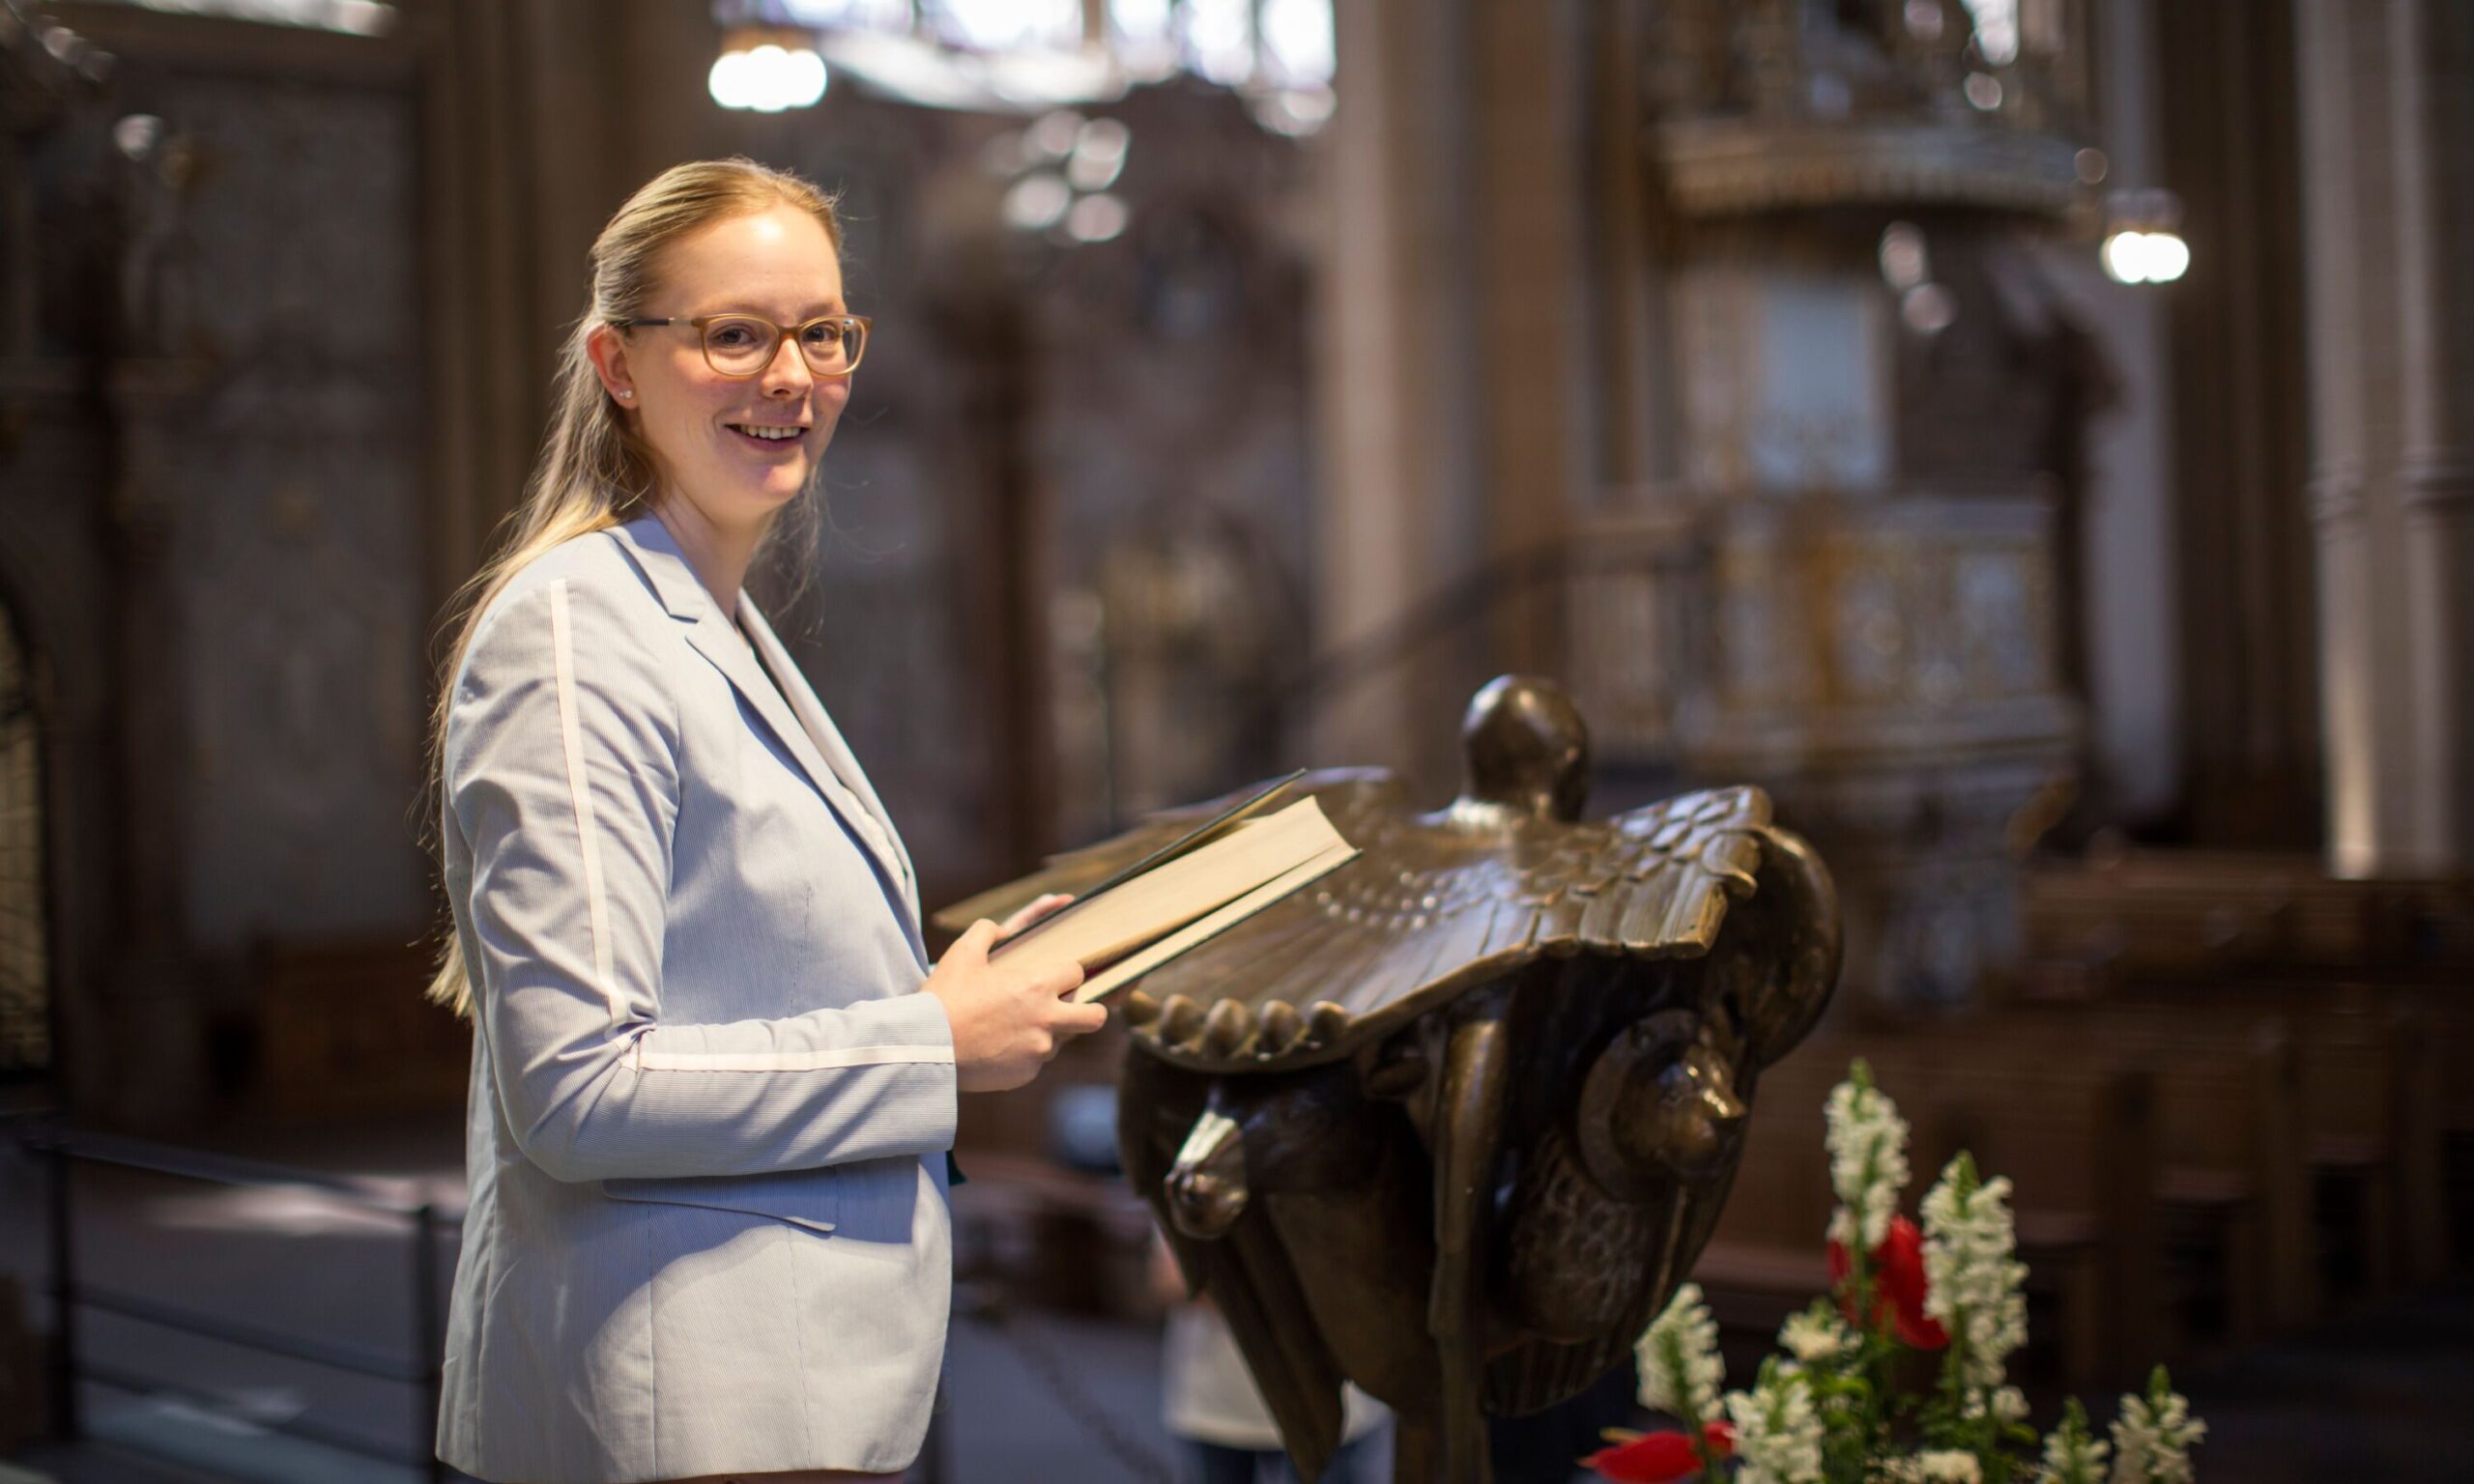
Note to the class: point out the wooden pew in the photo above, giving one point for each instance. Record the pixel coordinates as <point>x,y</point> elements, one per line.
<point>2368,1120</point>
<point>2230,1165</point>
<point>2447,1012</point>
<point>2182,914</point>
<point>2388,1110</point>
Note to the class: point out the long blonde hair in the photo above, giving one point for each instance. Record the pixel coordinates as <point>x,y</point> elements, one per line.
<point>594,471</point>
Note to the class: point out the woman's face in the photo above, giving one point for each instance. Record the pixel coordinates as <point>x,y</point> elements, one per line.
<point>778,265</point>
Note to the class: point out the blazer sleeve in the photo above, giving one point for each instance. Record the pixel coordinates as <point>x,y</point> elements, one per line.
<point>562,773</point>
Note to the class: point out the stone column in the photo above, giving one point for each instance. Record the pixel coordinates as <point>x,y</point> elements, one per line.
<point>1531,298</point>
<point>2432,45</point>
<point>1392,384</point>
<point>2341,263</point>
<point>2384,110</point>
<point>539,117</point>
<point>151,991</point>
<point>153,387</point>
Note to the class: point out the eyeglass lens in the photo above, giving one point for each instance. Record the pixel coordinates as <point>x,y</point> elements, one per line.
<point>742,347</point>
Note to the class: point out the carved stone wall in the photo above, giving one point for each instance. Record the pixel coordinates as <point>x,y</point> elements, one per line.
<point>295,501</point>
<point>213,536</point>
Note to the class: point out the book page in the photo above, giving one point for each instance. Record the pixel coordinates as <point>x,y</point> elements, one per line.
<point>1210,925</point>
<point>1102,929</point>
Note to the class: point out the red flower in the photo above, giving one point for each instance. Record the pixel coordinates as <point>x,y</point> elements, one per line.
<point>1899,1285</point>
<point>1658,1457</point>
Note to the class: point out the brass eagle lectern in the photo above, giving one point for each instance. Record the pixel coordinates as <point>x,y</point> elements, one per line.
<point>1455,1122</point>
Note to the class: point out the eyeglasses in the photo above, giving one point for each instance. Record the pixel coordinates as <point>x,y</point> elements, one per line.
<point>743,345</point>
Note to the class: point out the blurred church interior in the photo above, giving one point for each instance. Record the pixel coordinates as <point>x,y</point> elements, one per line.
<point>2031,438</point>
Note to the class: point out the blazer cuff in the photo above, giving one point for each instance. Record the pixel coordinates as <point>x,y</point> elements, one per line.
<point>917,1022</point>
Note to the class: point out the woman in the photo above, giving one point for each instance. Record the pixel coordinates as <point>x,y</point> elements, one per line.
<point>713,1075</point>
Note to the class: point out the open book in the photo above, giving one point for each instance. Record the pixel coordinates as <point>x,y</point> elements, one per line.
<point>1227,871</point>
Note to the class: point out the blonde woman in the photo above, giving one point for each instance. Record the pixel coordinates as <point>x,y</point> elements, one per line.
<point>713,1074</point>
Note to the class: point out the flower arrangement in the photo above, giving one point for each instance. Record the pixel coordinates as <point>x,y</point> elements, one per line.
<point>1830,1411</point>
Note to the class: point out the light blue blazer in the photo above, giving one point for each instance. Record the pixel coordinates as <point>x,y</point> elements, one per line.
<point>708,1230</point>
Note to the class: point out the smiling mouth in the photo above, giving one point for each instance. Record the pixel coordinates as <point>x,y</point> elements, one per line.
<point>768,432</point>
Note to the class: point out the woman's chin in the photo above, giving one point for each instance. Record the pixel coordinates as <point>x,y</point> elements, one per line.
<point>778,487</point>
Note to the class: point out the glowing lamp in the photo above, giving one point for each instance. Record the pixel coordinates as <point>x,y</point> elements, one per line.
<point>766,69</point>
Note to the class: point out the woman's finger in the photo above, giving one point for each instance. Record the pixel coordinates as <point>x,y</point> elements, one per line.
<point>976,939</point>
<point>1061,980</point>
<point>1032,912</point>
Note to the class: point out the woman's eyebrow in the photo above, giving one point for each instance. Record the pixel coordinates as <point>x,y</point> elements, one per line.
<point>814,309</point>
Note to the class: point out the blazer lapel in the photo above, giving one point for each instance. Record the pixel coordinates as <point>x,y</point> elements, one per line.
<point>825,741</point>
<point>807,734</point>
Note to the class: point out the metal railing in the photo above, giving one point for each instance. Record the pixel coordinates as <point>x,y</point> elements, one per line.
<point>62,1149</point>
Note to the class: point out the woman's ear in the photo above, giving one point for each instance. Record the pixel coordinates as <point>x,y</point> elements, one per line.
<point>609,353</point>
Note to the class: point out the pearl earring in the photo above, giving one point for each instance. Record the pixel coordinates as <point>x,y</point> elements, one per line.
<point>626,396</point>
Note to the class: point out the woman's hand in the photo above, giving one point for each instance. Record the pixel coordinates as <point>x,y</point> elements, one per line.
<point>1007,1021</point>
<point>1038,909</point>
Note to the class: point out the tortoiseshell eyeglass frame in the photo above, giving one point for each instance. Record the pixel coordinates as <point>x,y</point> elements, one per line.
<point>704,323</point>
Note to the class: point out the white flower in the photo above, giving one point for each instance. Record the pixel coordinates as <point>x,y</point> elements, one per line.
<point>1814,1336</point>
<point>2009,1405</point>
<point>1948,1467</point>
<point>1777,1432</point>
<point>1867,1144</point>
<point>2072,1457</point>
<point>1678,1354</point>
<point>1974,1277</point>
<point>2152,1436</point>
<point>1931,1467</point>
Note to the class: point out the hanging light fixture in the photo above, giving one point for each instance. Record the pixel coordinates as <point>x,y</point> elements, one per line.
<point>767,68</point>
<point>2142,236</point>
<point>1027,57</point>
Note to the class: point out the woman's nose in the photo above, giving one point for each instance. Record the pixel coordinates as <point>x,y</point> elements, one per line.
<point>788,371</point>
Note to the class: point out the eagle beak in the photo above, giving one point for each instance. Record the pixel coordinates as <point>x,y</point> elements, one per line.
<point>1699,1117</point>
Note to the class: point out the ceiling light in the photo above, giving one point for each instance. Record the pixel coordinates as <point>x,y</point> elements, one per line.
<point>766,69</point>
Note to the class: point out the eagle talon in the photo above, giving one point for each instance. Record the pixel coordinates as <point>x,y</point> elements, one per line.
<point>1206,1187</point>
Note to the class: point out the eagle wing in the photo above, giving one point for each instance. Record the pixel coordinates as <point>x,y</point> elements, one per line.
<point>1434,902</point>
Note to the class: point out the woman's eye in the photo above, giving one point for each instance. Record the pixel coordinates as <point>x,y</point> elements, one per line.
<point>733,337</point>
<point>821,334</point>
